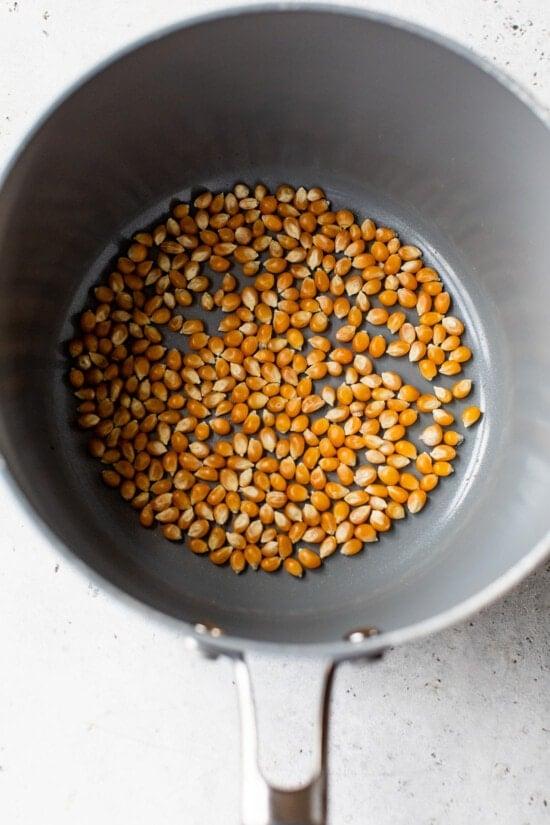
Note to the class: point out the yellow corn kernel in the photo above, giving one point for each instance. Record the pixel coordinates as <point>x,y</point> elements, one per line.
<point>452,438</point>
<point>406,448</point>
<point>450,368</point>
<point>409,393</point>
<point>470,415</point>
<point>443,468</point>
<point>427,369</point>
<point>429,482</point>
<point>460,354</point>
<point>462,388</point>
<point>408,481</point>
<point>424,464</point>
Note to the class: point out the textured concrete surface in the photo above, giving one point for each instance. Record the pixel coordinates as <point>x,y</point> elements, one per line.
<point>103,715</point>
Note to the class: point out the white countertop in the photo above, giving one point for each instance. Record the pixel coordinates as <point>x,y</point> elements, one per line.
<point>104,717</point>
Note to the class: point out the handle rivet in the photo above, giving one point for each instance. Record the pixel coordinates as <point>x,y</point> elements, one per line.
<point>358,636</point>
<point>208,630</point>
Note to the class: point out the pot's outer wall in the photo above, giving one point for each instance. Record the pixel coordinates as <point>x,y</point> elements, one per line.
<point>391,123</point>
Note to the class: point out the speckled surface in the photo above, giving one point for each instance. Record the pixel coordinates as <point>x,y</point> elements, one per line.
<point>103,715</point>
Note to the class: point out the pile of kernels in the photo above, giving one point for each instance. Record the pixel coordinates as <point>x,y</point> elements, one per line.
<point>241,444</point>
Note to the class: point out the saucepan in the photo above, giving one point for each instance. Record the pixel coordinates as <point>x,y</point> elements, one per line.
<point>401,126</point>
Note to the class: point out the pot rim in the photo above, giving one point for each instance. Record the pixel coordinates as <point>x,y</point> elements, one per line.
<point>235,646</point>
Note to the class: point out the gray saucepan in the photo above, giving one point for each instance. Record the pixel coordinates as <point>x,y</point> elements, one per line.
<point>395,123</point>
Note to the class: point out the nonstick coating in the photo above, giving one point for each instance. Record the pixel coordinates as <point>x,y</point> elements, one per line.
<point>392,124</point>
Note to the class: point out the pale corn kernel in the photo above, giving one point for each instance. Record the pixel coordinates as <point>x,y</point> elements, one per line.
<point>398,349</point>
<point>427,403</point>
<point>395,511</point>
<point>380,521</point>
<point>450,368</point>
<point>443,452</point>
<point>416,501</point>
<point>443,417</point>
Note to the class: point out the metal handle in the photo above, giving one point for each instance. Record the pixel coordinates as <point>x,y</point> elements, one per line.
<point>263,804</point>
